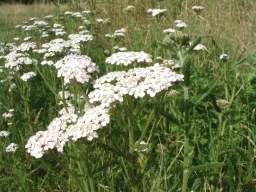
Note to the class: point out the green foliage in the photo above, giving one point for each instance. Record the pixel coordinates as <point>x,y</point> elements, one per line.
<point>198,136</point>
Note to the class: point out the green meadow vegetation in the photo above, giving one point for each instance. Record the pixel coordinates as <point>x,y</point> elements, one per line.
<point>186,124</point>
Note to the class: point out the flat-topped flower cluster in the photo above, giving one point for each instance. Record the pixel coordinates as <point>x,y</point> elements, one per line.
<point>78,67</point>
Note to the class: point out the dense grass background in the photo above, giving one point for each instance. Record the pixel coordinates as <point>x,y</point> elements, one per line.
<point>221,106</point>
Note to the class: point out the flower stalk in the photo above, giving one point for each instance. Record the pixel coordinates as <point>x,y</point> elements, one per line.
<point>188,146</point>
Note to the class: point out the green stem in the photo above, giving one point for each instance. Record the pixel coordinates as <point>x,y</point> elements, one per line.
<point>188,155</point>
<point>188,147</point>
<point>130,125</point>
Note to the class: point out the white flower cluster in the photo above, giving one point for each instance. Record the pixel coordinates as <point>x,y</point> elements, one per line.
<point>119,49</point>
<point>73,14</point>
<point>40,23</point>
<point>14,60</point>
<point>197,8</point>
<point>200,47</point>
<point>18,55</point>
<point>102,21</point>
<point>169,30</point>
<point>129,57</point>
<point>156,12</point>
<point>170,63</point>
<point>27,28</point>
<point>77,67</point>
<point>137,82</point>
<point>12,147</point>
<point>27,38</point>
<point>60,45</point>
<point>58,29</point>
<point>79,38</point>
<point>4,133</point>
<point>28,75</point>
<point>86,126</point>
<point>55,46</point>
<point>9,114</point>
<point>180,24</point>
<point>48,16</point>
<point>129,8</point>
<point>117,33</point>
<point>55,135</point>
<point>26,46</point>
<point>224,57</point>
<point>75,41</point>
<point>68,127</point>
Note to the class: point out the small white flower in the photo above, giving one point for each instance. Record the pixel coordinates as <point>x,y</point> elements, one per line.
<point>224,57</point>
<point>11,147</point>
<point>12,86</point>
<point>117,33</point>
<point>28,75</point>
<point>200,47</point>
<point>4,133</point>
<point>156,12</point>
<point>16,38</point>
<point>40,23</point>
<point>102,21</point>
<point>86,11</point>
<point>169,30</point>
<point>197,8</point>
<point>129,8</point>
<point>129,57</point>
<point>180,24</point>
<point>48,16</point>
<point>27,38</point>
<point>47,62</point>
<point>9,114</point>
<point>121,49</point>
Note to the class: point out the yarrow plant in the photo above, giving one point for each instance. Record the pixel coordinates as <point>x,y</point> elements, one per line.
<point>110,88</point>
<point>77,67</point>
<point>137,82</point>
<point>69,126</point>
<point>28,75</point>
<point>12,147</point>
<point>4,133</point>
<point>129,57</point>
<point>156,12</point>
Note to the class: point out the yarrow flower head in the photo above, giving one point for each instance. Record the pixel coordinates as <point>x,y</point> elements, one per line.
<point>224,57</point>
<point>119,49</point>
<point>129,57</point>
<point>197,8</point>
<point>200,47</point>
<point>102,21</point>
<point>180,24</point>
<point>129,8</point>
<point>28,75</point>
<point>117,33</point>
<point>156,12</point>
<point>137,82</point>
<point>14,60</point>
<point>11,147</point>
<point>77,67</point>
<point>169,30</point>
<point>68,127</point>
<point>54,136</point>
<point>9,114</point>
<point>4,133</point>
